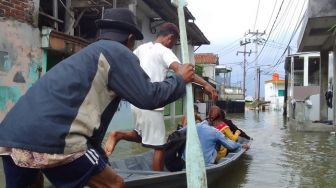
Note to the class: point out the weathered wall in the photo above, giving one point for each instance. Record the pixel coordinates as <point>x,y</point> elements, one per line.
<point>20,10</point>
<point>321,8</point>
<point>20,52</point>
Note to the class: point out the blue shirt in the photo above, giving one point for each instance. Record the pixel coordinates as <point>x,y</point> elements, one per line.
<point>210,138</point>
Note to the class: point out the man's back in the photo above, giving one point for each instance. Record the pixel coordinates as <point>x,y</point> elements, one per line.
<point>155,59</point>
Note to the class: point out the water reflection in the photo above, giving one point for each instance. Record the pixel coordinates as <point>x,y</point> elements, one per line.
<point>235,174</point>
<point>312,155</point>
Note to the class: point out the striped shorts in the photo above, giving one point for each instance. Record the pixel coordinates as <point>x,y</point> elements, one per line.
<point>74,174</point>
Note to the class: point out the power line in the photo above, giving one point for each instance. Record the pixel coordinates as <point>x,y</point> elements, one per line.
<point>270,30</point>
<point>227,46</point>
<point>293,34</point>
<point>269,21</point>
<point>255,21</point>
<point>242,43</point>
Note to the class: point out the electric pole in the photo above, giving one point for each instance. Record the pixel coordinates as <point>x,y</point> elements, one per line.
<point>242,43</point>
<point>257,41</point>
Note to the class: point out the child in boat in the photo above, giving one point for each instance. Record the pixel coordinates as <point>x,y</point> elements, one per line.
<point>210,138</point>
<point>183,121</point>
<point>216,120</point>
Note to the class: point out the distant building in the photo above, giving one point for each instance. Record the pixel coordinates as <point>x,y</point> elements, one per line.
<point>230,98</point>
<point>208,62</point>
<point>205,65</point>
<point>303,70</point>
<point>274,93</point>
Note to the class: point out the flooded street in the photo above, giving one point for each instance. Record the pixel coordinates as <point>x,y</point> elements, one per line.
<point>278,156</point>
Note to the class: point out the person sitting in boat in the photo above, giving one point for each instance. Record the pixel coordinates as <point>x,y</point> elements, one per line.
<point>183,121</point>
<point>233,127</point>
<point>210,138</point>
<point>174,148</point>
<point>216,119</point>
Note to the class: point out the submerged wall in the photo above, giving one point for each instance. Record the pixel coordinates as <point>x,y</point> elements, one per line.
<point>20,52</point>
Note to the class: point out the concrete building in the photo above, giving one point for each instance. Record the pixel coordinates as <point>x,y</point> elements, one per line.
<point>37,34</point>
<point>205,65</point>
<point>316,35</point>
<point>274,94</point>
<point>231,97</point>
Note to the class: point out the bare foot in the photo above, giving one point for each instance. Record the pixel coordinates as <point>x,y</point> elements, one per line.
<point>111,142</point>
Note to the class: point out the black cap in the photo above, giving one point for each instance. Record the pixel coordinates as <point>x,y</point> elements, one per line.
<point>117,24</point>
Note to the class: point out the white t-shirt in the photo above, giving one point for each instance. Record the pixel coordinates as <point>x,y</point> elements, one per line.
<point>155,60</point>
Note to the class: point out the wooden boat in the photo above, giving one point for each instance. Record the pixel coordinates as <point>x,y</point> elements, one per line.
<point>137,170</point>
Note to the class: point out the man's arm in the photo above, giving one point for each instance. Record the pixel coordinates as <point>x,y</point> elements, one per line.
<point>208,88</point>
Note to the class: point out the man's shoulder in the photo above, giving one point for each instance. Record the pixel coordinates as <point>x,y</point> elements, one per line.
<point>145,46</point>
<point>162,47</point>
<point>111,48</point>
<point>109,45</point>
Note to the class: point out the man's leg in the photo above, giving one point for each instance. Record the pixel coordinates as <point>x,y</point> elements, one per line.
<point>39,181</point>
<point>17,177</point>
<point>116,136</point>
<point>106,179</point>
<point>89,169</point>
<point>158,159</point>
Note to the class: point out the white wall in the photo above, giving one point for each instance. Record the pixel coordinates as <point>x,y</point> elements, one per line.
<point>148,36</point>
<point>271,94</point>
<point>144,22</point>
<point>313,113</point>
<point>330,76</point>
<point>208,71</point>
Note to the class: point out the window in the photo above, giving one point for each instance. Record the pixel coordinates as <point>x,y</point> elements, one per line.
<point>298,71</point>
<point>314,71</point>
<point>281,93</point>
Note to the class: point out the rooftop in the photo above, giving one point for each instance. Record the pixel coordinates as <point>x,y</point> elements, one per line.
<point>206,58</point>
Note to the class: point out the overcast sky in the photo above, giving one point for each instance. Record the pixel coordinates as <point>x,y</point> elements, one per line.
<point>225,23</point>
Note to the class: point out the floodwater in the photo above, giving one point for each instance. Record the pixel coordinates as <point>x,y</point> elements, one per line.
<point>278,157</point>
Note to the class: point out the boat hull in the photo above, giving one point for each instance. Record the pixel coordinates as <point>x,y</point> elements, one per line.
<point>136,171</point>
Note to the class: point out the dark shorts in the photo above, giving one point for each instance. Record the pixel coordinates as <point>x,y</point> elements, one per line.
<point>158,147</point>
<point>75,174</point>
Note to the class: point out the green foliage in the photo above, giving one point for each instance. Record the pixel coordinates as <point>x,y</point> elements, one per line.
<point>199,70</point>
<point>333,30</point>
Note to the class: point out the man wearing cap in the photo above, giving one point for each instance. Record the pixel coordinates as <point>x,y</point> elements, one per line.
<point>58,126</point>
<point>156,58</point>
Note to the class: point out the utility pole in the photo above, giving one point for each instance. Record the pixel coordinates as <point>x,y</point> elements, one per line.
<point>258,71</point>
<point>286,88</point>
<point>242,43</point>
<point>258,40</point>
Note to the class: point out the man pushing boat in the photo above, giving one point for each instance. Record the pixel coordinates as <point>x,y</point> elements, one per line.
<point>58,126</point>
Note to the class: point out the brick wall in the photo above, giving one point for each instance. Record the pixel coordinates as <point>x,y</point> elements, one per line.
<point>21,10</point>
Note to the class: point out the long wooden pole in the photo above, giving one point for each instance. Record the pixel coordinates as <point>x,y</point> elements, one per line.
<point>195,167</point>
